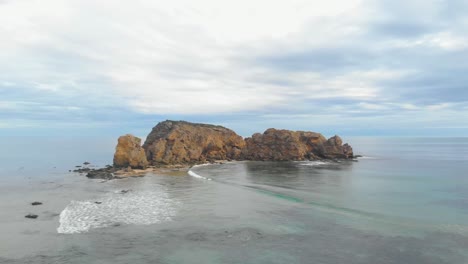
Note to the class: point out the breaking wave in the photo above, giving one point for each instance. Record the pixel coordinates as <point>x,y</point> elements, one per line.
<point>312,163</point>
<point>367,157</point>
<point>195,175</point>
<point>139,208</point>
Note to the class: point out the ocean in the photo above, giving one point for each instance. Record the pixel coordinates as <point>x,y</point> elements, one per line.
<point>404,201</point>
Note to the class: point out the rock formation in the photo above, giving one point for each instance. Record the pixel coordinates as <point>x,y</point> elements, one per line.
<point>180,142</point>
<point>280,145</point>
<point>129,153</point>
<point>334,149</point>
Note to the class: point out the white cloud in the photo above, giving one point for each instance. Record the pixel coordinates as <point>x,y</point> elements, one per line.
<point>438,107</point>
<point>370,106</point>
<point>198,57</point>
<point>16,105</point>
<point>445,40</point>
<point>408,106</point>
<point>170,57</point>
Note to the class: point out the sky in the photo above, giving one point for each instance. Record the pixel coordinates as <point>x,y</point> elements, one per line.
<point>353,68</point>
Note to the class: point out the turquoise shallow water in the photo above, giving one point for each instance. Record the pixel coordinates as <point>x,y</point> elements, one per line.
<point>405,201</point>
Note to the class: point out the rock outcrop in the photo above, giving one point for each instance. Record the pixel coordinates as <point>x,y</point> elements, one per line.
<point>334,149</point>
<point>129,153</point>
<point>281,145</point>
<point>180,142</point>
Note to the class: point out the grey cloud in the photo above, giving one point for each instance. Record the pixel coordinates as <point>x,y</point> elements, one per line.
<point>435,74</point>
<point>400,28</point>
<point>416,17</point>
<point>324,59</point>
<point>385,40</point>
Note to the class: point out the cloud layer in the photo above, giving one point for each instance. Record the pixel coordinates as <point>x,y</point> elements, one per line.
<point>370,65</point>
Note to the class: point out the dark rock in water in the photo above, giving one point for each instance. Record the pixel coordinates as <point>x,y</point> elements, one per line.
<point>98,202</point>
<point>83,170</point>
<point>124,191</point>
<point>77,166</point>
<point>31,216</point>
<point>86,163</point>
<point>357,156</point>
<point>36,203</point>
<point>105,173</point>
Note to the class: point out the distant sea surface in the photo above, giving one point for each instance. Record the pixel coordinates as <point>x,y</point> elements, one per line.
<point>404,201</point>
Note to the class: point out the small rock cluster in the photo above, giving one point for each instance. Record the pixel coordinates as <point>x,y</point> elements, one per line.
<point>33,216</point>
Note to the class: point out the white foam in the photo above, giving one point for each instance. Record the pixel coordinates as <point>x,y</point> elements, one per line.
<point>193,174</point>
<point>139,208</point>
<point>202,165</point>
<point>312,163</point>
<point>367,157</point>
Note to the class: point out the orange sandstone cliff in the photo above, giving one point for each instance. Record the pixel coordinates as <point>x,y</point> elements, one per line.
<point>129,153</point>
<point>180,142</point>
<point>282,145</point>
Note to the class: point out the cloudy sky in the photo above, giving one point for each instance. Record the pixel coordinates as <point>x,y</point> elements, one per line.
<point>355,67</point>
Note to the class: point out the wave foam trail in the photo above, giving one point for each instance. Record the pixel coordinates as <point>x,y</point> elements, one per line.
<point>367,157</point>
<point>193,174</point>
<point>139,208</point>
<point>313,163</point>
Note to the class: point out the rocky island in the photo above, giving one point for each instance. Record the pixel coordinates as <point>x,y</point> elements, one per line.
<point>180,144</point>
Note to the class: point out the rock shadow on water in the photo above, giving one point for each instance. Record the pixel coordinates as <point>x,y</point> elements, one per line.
<point>296,174</point>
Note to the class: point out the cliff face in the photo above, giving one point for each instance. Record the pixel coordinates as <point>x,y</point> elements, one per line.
<point>130,153</point>
<point>178,142</point>
<point>281,145</point>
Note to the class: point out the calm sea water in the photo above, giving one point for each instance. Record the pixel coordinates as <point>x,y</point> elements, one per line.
<point>405,201</point>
